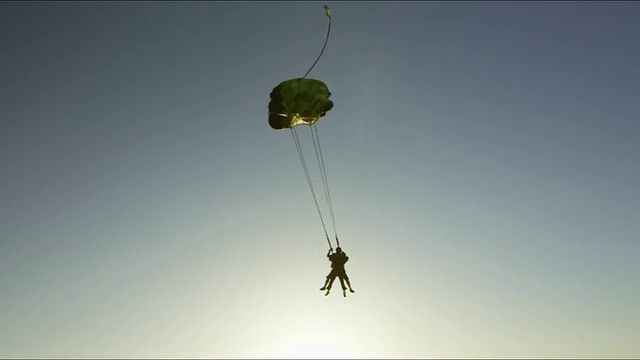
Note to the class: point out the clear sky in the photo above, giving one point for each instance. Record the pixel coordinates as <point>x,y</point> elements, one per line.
<point>482,159</point>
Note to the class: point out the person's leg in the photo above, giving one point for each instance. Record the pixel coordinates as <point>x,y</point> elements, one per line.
<point>346,278</point>
<point>326,282</point>
<point>331,280</point>
<point>344,289</point>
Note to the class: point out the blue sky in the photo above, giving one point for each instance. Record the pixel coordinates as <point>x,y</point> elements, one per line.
<point>481,157</point>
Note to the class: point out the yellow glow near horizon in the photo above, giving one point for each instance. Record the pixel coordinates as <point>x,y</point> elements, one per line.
<point>316,346</point>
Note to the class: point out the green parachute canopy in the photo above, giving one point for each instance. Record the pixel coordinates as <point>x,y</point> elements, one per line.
<point>298,101</point>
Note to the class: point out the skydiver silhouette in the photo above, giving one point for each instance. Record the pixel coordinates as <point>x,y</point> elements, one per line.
<point>338,259</point>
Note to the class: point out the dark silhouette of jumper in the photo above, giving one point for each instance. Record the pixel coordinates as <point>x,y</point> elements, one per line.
<point>338,259</point>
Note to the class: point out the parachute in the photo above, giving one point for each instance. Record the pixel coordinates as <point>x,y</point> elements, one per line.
<point>298,101</point>
<point>303,101</point>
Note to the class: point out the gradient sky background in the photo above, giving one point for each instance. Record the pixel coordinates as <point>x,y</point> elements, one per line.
<point>482,159</point>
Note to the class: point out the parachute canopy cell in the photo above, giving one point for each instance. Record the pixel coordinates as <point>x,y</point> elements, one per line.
<point>298,101</point>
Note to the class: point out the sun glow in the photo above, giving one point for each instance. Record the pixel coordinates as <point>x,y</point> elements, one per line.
<point>316,346</point>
